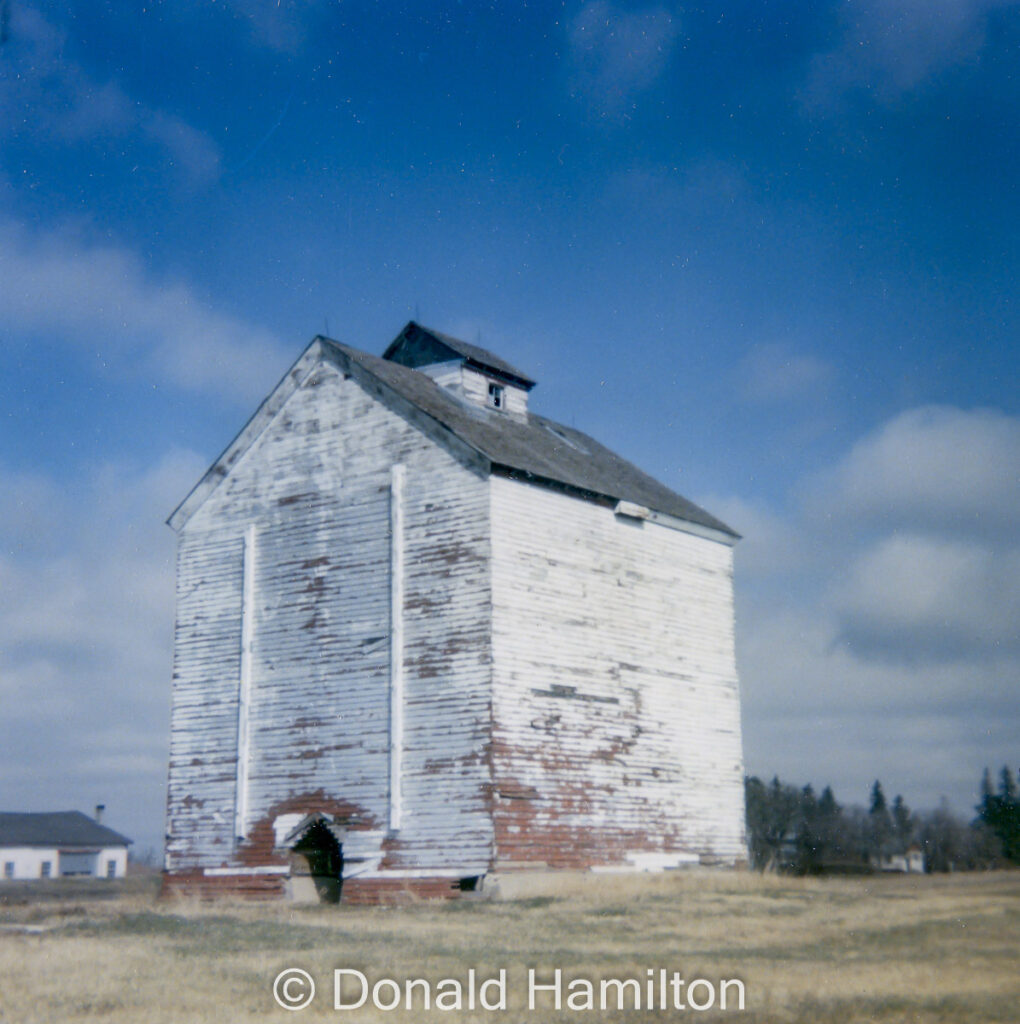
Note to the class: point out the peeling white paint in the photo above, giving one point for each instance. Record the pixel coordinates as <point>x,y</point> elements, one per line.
<point>460,671</point>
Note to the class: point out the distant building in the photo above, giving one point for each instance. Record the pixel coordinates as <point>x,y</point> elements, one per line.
<point>425,635</point>
<point>909,862</point>
<point>58,844</point>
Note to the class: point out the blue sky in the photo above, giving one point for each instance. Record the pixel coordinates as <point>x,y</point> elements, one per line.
<point>767,251</point>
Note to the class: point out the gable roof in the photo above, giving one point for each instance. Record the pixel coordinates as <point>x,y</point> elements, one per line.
<point>533,446</point>
<point>418,346</point>
<point>56,828</point>
<point>525,447</point>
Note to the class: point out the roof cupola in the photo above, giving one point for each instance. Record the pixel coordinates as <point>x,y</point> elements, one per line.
<point>467,370</point>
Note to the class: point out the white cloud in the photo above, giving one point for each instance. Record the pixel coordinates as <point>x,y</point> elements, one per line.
<point>890,47</point>
<point>878,619</point>
<point>770,547</point>
<point>86,613</point>
<point>934,467</point>
<point>928,599</point>
<point>617,54</point>
<point>46,92</point>
<point>101,297</point>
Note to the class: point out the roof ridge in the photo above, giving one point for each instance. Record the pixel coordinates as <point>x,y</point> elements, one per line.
<point>481,357</point>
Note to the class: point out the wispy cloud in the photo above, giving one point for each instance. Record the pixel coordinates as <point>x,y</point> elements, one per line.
<point>102,297</point>
<point>191,150</point>
<point>47,93</point>
<point>283,25</point>
<point>891,47</point>
<point>616,54</point>
<point>775,372</point>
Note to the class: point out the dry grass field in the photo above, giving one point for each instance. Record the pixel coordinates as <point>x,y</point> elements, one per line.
<point>889,949</point>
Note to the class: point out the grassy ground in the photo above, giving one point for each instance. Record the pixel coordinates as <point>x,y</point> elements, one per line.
<point>887,949</point>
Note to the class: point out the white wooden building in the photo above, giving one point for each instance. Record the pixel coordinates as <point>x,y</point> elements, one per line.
<point>425,636</point>
<point>59,844</point>
<point>909,862</point>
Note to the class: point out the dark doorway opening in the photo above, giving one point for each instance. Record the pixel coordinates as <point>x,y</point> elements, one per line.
<point>317,860</point>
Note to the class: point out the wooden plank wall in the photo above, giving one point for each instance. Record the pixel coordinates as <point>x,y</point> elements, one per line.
<point>316,484</point>
<point>616,704</point>
<point>476,389</point>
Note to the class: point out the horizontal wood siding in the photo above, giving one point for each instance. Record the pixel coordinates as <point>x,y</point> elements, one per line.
<point>476,389</point>
<point>316,484</point>
<point>207,667</point>
<point>616,704</point>
<point>319,704</point>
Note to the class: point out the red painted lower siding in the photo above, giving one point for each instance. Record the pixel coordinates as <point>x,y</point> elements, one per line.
<point>358,892</point>
<point>196,885</point>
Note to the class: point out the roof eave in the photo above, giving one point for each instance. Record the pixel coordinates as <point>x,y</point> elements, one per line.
<point>247,435</point>
<point>720,535</point>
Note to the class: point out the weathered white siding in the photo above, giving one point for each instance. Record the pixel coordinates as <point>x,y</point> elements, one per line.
<point>616,705</point>
<point>474,386</point>
<point>447,375</point>
<point>316,485</point>
<point>476,389</point>
<point>459,670</point>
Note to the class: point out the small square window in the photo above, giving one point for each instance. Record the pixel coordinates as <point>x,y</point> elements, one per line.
<point>9,869</point>
<point>496,396</point>
<point>47,868</point>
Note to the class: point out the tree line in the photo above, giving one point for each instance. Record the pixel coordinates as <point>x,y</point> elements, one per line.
<point>794,830</point>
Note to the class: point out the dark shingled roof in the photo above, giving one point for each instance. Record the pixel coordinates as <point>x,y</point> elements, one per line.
<point>56,828</point>
<point>531,447</point>
<point>418,346</point>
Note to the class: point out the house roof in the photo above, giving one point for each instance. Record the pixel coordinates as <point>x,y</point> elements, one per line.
<point>525,447</point>
<point>55,828</point>
<point>533,446</point>
<point>418,346</point>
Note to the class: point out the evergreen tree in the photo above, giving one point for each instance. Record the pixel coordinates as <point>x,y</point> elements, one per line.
<point>772,815</point>
<point>1007,787</point>
<point>1000,813</point>
<point>903,824</point>
<point>810,841</point>
<point>878,804</point>
<point>880,825</point>
<point>827,805</point>
<point>830,832</point>
<point>986,786</point>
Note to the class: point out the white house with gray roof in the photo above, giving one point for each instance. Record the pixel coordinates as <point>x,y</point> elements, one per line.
<point>425,637</point>
<point>59,844</point>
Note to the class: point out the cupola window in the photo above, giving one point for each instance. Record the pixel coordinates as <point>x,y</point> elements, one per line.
<point>496,396</point>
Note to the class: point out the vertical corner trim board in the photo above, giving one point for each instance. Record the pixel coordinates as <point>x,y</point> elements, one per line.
<point>396,642</point>
<point>245,682</point>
